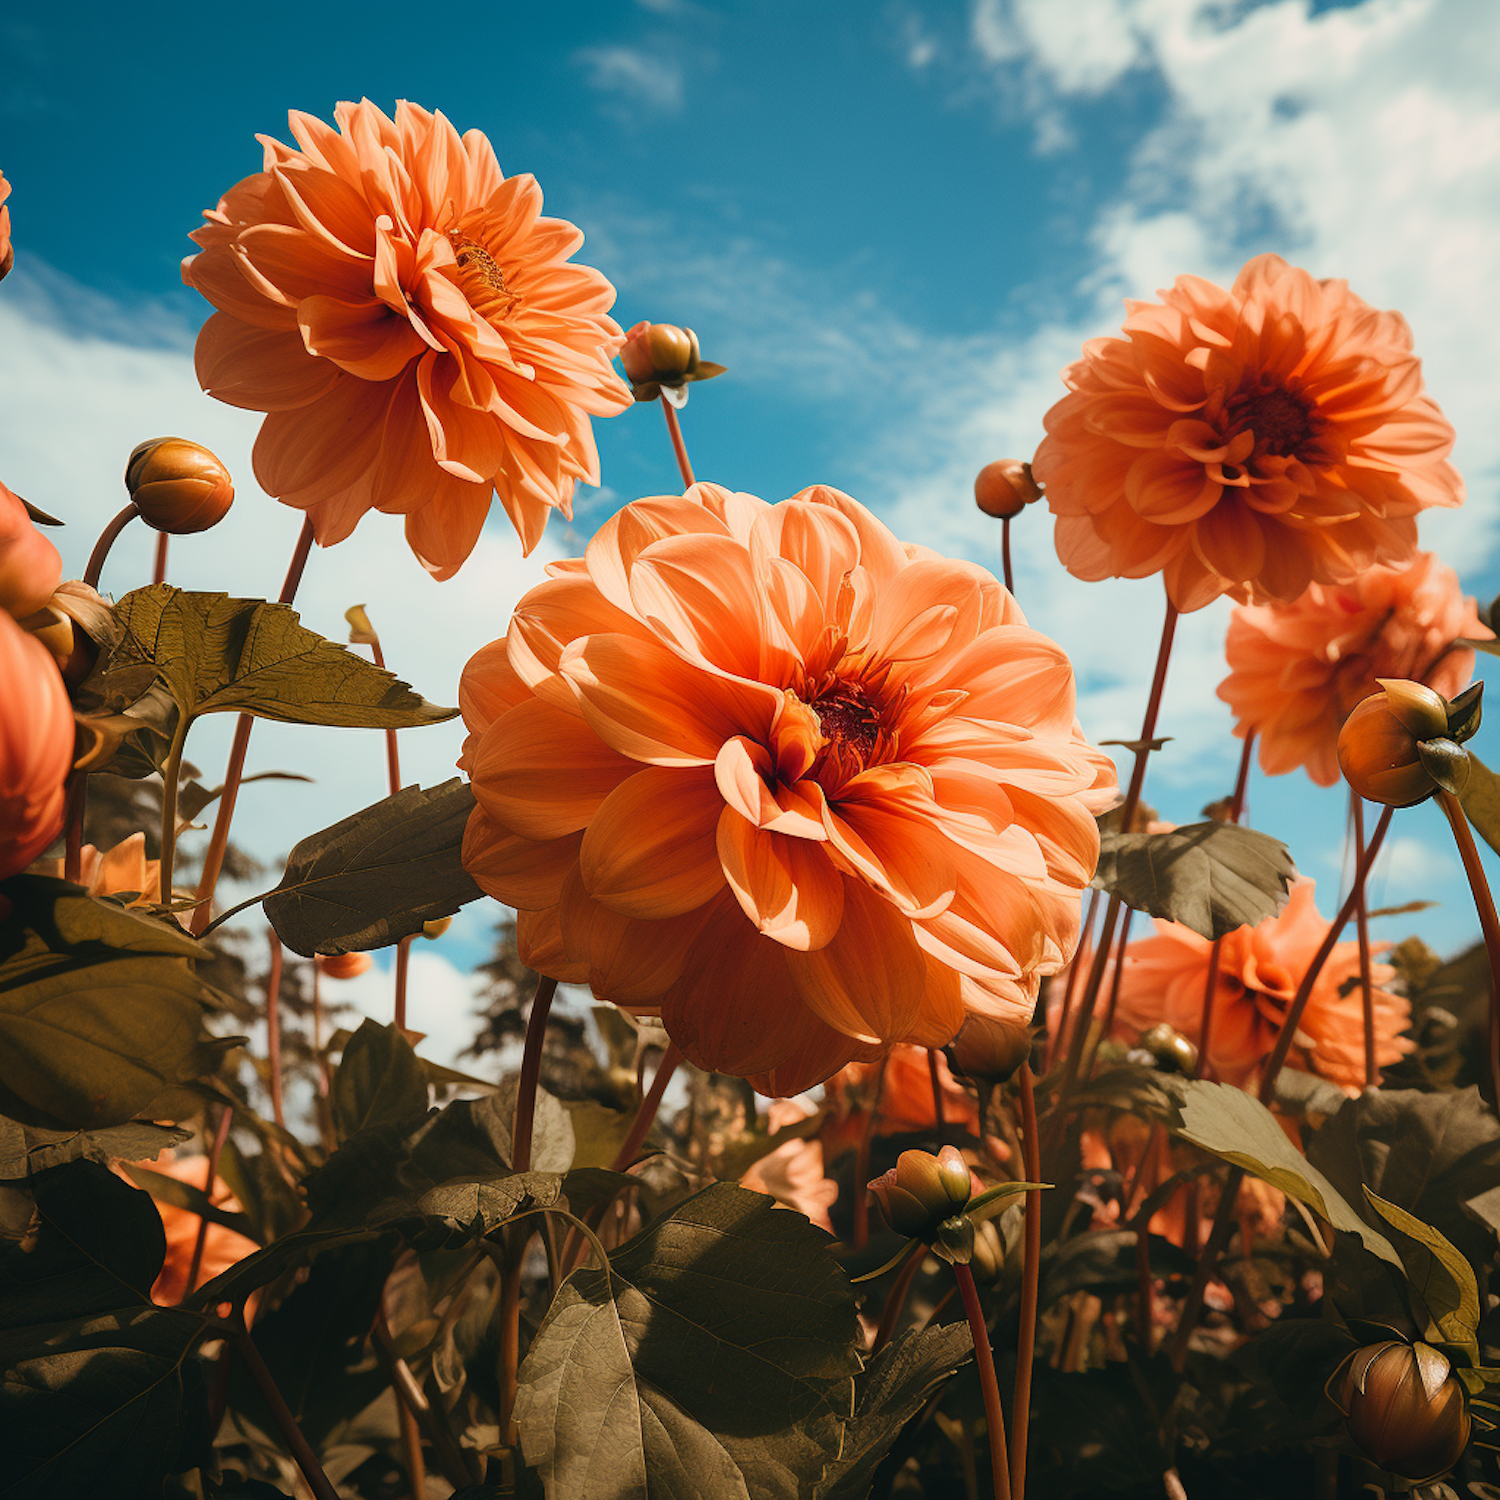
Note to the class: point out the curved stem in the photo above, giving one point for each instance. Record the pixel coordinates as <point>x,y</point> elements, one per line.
<point>403,959</point>
<point>895,1300</point>
<point>1080,962</point>
<point>679,448</point>
<point>984,1357</point>
<point>1031,1280</point>
<point>1362,928</point>
<point>218,842</point>
<point>938,1119</point>
<point>645,1116</point>
<point>159,570</point>
<point>107,539</point>
<point>1484,904</point>
<point>215,1152</point>
<point>273,1027</point>
<point>862,1162</point>
<point>531,1072</point>
<point>1010,582</point>
<point>171,775</point>
<point>510,1332</point>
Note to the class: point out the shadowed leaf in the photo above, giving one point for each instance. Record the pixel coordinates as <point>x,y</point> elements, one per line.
<point>25,1150</point>
<point>376,876</point>
<point>378,1081</point>
<point>1441,1276</point>
<point>1481,794</point>
<point>1212,877</point>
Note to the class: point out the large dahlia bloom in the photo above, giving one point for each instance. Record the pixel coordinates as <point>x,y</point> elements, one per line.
<point>799,790</point>
<point>1297,671</point>
<point>1260,969</point>
<point>1247,442</point>
<point>413,328</point>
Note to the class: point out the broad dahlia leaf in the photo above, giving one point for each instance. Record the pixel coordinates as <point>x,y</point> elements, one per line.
<point>215,654</point>
<point>1239,1129</point>
<point>1212,877</point>
<point>376,876</point>
<point>378,1082</point>
<point>1481,801</point>
<point>716,1355</point>
<point>26,1150</point>
<point>101,1011</point>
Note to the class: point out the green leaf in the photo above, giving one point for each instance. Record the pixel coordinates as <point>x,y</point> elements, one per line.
<point>1212,877</point>
<point>1237,1128</point>
<point>101,1011</point>
<point>25,1150</point>
<point>375,877</point>
<point>378,1081</point>
<point>216,655</point>
<point>1441,1276</point>
<point>897,1384</point>
<point>716,1356</point>
<point>1480,797</point>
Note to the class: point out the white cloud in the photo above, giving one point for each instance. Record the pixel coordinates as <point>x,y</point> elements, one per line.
<point>1084,46</point>
<point>635,76</point>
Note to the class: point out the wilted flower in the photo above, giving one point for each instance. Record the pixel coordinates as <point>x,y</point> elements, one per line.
<point>1005,488</point>
<point>413,328</point>
<point>1404,1406</point>
<point>178,486</point>
<point>1297,671</point>
<point>30,567</point>
<point>1401,744</point>
<point>7,250</point>
<point>36,747</point>
<point>1260,969</point>
<point>799,790</point>
<point>1247,442</point>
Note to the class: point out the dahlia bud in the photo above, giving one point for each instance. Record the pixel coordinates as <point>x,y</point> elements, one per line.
<point>1396,748</point>
<point>1005,488</point>
<point>988,1050</point>
<point>662,354</point>
<point>343,965</point>
<point>1404,1406</point>
<point>1169,1049</point>
<point>922,1191</point>
<point>178,486</point>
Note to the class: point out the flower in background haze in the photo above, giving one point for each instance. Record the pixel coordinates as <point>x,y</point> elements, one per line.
<point>1247,442</point>
<point>222,1247</point>
<point>799,790</point>
<point>1296,671</point>
<point>120,870</point>
<point>7,250</point>
<point>412,327</point>
<point>36,747</point>
<point>905,1099</point>
<point>793,1174</point>
<point>1260,969</point>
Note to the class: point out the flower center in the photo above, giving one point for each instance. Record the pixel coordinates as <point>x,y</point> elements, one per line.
<point>481,279</point>
<point>851,724</point>
<point>1278,419</point>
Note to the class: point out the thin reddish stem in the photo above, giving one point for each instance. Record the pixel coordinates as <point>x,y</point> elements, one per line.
<point>218,843</point>
<point>159,569</point>
<point>215,1153</point>
<point>645,1116</point>
<point>938,1120</point>
<point>1362,929</point>
<point>411,1443</point>
<point>1057,1037</point>
<point>890,1314</point>
<point>1010,582</point>
<point>75,801</point>
<point>1484,904</point>
<point>531,1072</point>
<point>1119,973</point>
<point>984,1357</point>
<point>674,430</point>
<point>392,755</point>
<point>862,1162</point>
<point>403,961</point>
<point>273,1027</point>
<point>1031,1280</point>
<point>107,539</point>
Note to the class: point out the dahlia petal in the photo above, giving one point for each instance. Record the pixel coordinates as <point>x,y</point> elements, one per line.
<point>527,874</point>
<point>887,828</point>
<point>539,945</point>
<point>942,1012</point>
<point>1015,675</point>
<point>817,539</point>
<point>786,886</point>
<point>650,849</point>
<point>815,1052</point>
<point>365,338</point>
<point>444,532</point>
<point>616,545</point>
<point>542,773</point>
<point>258,368</point>
<point>879,551</point>
<point>219,275</point>
<point>1166,488</point>
<point>320,450</point>
<point>287,264</point>
<point>489,686</point>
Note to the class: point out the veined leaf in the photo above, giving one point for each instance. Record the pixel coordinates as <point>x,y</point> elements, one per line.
<point>376,876</point>
<point>1480,797</point>
<point>1212,877</point>
<point>219,655</point>
<point>25,1150</point>
<point>1441,1276</point>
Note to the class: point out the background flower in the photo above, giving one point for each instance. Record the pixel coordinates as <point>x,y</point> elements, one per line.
<point>121,869</point>
<point>799,790</point>
<point>1297,670</point>
<point>905,1099</point>
<point>1260,969</point>
<point>36,747</point>
<point>30,567</point>
<point>1247,442</point>
<point>412,327</point>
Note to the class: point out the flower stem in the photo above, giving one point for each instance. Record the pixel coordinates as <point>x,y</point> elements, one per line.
<point>1484,903</point>
<point>674,430</point>
<point>1010,582</point>
<point>1362,928</point>
<point>171,775</point>
<point>215,1152</point>
<point>895,1300</point>
<point>159,570</point>
<point>218,842</point>
<point>1075,967</point>
<point>645,1116</point>
<point>531,1072</point>
<point>107,539</point>
<point>403,960</point>
<point>1119,973</point>
<point>984,1357</point>
<point>273,1027</point>
<point>74,803</point>
<point>862,1162</point>
<point>938,1120</point>
<point>1031,1278</point>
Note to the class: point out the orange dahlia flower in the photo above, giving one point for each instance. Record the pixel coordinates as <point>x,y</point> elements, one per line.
<point>1297,671</point>
<point>412,327</point>
<point>1247,442</point>
<point>799,790</point>
<point>121,869</point>
<point>1260,969</point>
<point>7,250</point>
<point>905,1099</point>
<point>36,747</point>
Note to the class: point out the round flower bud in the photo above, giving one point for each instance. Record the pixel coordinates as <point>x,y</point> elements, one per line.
<point>658,351</point>
<point>1418,706</point>
<point>989,1050</point>
<point>178,486</point>
<point>30,566</point>
<point>1005,488</point>
<point>1169,1049</point>
<point>1405,1408</point>
<point>1379,754</point>
<point>343,965</point>
<point>922,1190</point>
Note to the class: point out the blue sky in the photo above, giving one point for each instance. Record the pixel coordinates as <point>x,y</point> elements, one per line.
<point>894,223</point>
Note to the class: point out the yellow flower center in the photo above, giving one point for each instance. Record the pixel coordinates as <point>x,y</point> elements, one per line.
<point>481,280</point>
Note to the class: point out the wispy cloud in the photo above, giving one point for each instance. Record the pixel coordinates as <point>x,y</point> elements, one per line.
<point>631,75</point>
